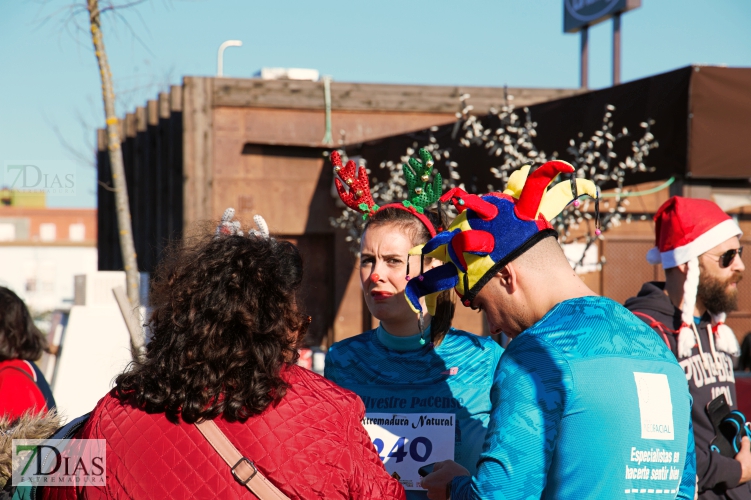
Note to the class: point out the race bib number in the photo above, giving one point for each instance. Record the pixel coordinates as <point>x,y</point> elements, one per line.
<point>406,442</point>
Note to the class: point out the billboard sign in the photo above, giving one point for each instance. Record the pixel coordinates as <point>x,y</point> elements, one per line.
<point>580,13</point>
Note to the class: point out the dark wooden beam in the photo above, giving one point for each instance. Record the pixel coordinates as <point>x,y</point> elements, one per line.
<point>290,94</point>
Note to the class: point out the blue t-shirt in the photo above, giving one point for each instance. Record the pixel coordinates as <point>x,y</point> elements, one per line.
<point>394,375</point>
<point>592,405</point>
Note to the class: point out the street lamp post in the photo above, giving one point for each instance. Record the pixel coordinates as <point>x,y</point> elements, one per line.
<point>220,55</point>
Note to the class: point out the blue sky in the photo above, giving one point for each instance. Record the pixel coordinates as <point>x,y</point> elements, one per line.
<point>50,101</point>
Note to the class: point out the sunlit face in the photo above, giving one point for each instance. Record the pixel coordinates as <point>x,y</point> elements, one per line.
<point>383,268</point>
<point>718,286</point>
<point>505,312</point>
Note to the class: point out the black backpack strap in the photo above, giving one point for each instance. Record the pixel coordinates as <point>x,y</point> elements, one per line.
<point>44,387</point>
<point>68,431</point>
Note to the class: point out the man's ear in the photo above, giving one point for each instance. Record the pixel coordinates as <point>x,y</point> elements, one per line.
<point>682,268</point>
<point>508,278</point>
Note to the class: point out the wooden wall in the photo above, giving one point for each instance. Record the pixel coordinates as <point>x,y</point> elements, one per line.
<point>152,142</point>
<point>257,146</point>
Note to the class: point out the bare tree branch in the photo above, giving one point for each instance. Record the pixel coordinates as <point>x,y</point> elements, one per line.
<point>107,187</point>
<point>127,246</point>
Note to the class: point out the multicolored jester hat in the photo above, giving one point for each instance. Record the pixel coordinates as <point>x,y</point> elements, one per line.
<point>493,229</point>
<point>422,193</point>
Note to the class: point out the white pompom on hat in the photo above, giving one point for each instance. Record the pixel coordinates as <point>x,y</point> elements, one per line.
<point>685,228</point>
<point>726,340</point>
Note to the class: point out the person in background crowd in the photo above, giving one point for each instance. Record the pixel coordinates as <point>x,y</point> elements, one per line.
<point>699,249</point>
<point>401,367</point>
<point>744,361</point>
<point>225,331</point>
<point>593,404</point>
<point>22,385</point>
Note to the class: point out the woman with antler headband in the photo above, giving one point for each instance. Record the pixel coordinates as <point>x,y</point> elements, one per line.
<point>426,386</point>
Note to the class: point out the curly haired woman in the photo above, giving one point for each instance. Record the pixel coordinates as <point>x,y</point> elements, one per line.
<point>225,328</point>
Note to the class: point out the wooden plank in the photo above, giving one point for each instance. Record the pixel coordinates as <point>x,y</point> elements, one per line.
<point>381,97</point>
<point>176,98</point>
<point>175,163</point>
<point>316,297</point>
<point>149,185</point>
<point>152,112</point>
<point>130,125</point>
<point>305,127</point>
<point>108,244</point>
<point>142,213</point>
<point>162,155</point>
<point>164,103</point>
<point>101,139</point>
<point>348,302</point>
<point>141,122</point>
<point>197,149</point>
<point>131,174</point>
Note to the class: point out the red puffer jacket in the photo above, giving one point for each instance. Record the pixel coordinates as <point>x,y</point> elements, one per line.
<point>310,445</point>
<point>18,389</point>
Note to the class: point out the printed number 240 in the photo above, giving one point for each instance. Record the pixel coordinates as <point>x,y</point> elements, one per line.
<point>399,453</point>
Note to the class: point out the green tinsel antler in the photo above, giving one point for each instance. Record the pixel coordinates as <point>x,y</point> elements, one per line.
<point>421,193</point>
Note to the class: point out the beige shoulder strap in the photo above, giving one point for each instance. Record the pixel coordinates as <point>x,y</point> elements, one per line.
<point>243,469</point>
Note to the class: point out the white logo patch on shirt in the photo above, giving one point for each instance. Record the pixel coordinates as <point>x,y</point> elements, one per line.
<point>655,405</point>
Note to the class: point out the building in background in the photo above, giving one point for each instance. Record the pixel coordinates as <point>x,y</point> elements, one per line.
<point>699,118</point>
<point>261,146</point>
<point>42,249</point>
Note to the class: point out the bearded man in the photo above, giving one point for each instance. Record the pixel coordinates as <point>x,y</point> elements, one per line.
<point>699,248</point>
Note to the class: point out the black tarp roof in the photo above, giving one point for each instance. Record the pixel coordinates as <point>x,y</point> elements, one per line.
<point>701,115</point>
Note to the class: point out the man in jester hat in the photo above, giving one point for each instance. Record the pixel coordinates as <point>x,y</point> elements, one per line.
<point>592,402</point>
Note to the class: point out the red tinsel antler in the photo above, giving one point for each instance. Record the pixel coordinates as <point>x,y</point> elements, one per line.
<point>358,196</point>
<point>462,201</point>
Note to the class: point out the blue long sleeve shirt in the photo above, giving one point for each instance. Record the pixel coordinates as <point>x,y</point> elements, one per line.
<point>592,405</point>
<point>398,377</point>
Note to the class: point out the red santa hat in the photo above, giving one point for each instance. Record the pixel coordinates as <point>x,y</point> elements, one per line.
<point>685,228</point>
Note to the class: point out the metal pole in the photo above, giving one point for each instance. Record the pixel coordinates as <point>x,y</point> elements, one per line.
<point>220,55</point>
<point>584,57</point>
<point>617,49</point>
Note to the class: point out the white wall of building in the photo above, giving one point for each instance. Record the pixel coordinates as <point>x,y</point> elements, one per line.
<point>43,275</point>
<point>95,350</point>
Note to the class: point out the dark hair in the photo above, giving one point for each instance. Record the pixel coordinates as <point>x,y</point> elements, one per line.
<point>224,325</point>
<point>19,336</point>
<point>744,362</point>
<point>419,234</point>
